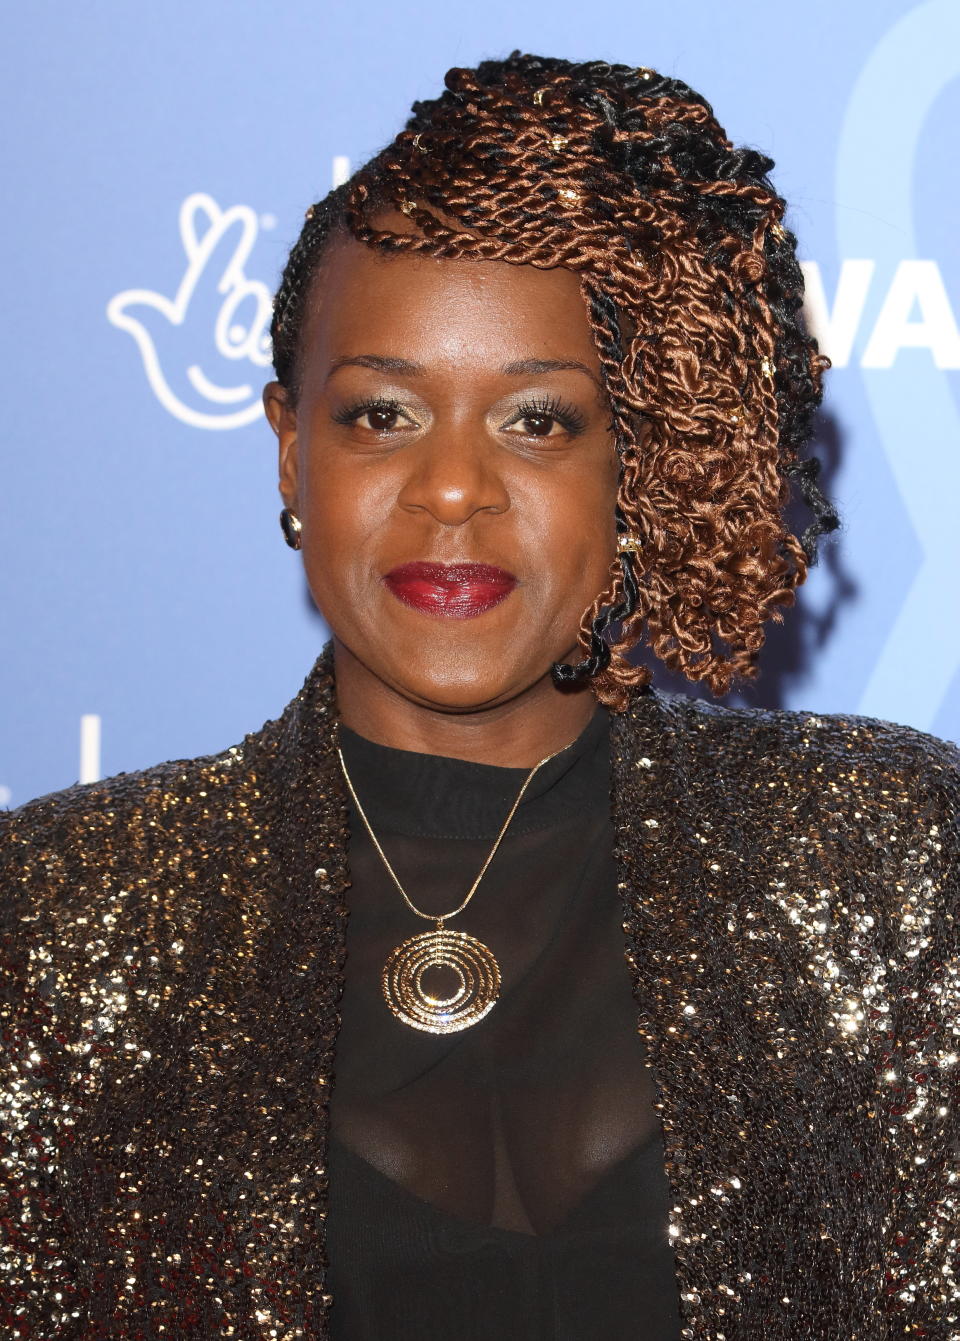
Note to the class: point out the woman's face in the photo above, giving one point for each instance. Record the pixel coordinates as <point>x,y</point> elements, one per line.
<point>451,413</point>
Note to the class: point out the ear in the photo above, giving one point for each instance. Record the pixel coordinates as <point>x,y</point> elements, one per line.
<point>283,420</point>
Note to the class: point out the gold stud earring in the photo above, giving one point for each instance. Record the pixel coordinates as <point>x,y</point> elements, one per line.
<point>628,544</point>
<point>291,527</point>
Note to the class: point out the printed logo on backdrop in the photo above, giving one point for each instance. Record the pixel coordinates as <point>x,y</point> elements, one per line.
<point>201,343</point>
<point>205,345</point>
<point>914,408</point>
<point>915,313</point>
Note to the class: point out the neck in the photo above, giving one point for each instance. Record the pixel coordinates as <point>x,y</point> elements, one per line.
<point>515,733</point>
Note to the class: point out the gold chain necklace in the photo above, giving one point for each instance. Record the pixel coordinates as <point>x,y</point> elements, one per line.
<point>473,963</point>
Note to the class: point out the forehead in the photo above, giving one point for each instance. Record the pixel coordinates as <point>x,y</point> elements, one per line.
<point>442,311</point>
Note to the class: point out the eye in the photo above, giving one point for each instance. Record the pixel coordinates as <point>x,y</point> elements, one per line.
<point>377,416</point>
<point>547,417</point>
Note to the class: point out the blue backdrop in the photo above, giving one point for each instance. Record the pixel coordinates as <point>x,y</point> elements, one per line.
<point>158,160</point>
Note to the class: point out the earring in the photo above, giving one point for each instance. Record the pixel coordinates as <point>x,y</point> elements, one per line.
<point>291,528</point>
<point>628,544</point>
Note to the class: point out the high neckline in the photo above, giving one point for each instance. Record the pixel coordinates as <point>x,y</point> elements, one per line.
<point>434,796</point>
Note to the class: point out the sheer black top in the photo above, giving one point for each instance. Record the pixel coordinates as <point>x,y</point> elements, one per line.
<point>507,1179</point>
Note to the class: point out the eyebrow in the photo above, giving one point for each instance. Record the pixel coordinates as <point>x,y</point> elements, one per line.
<point>378,362</point>
<point>406,367</point>
<point>534,367</point>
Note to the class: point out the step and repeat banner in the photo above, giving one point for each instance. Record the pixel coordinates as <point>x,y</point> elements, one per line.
<point>157,163</point>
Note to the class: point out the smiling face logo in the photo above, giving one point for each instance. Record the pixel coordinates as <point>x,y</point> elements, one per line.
<point>198,346</point>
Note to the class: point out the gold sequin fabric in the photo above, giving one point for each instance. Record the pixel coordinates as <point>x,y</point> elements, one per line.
<point>173,959</point>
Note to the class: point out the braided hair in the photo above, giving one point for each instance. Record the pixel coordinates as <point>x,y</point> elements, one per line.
<point>693,292</point>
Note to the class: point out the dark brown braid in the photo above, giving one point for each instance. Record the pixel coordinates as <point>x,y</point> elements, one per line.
<point>694,295</point>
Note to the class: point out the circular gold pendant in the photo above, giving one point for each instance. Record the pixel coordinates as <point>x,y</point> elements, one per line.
<point>476,969</point>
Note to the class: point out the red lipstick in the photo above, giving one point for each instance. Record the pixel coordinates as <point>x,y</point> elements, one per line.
<point>456,590</point>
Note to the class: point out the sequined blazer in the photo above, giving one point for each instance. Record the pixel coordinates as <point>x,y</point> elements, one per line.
<point>173,958</point>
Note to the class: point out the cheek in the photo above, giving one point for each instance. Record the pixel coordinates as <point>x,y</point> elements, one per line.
<point>574,527</point>
<point>343,516</point>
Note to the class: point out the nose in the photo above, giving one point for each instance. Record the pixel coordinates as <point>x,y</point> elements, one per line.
<point>454,475</point>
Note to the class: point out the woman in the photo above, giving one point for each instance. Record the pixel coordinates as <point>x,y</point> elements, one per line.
<point>490,991</point>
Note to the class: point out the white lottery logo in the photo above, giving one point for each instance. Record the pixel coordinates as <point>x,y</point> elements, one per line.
<point>203,348</point>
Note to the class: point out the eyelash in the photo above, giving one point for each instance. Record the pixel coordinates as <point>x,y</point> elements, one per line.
<point>353,412</point>
<point>549,407</point>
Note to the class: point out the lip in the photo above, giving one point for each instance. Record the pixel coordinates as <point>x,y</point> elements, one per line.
<point>453,590</point>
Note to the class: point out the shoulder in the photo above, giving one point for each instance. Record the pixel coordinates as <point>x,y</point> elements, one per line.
<point>102,883</point>
<point>55,849</point>
<point>845,829</point>
<point>815,740</point>
<point>178,832</point>
<point>122,803</point>
<point>789,765</point>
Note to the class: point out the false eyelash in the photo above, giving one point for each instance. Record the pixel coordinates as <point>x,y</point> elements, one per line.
<point>351,412</point>
<point>550,406</point>
<point>553,408</point>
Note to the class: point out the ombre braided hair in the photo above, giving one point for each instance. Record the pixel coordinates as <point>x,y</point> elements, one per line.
<point>693,292</point>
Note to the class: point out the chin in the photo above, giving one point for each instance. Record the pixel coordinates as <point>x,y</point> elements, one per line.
<point>466,690</point>
<point>462,680</point>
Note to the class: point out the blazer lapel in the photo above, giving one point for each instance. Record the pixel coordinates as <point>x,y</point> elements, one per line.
<point>757,1145</point>
<point>291,965</point>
